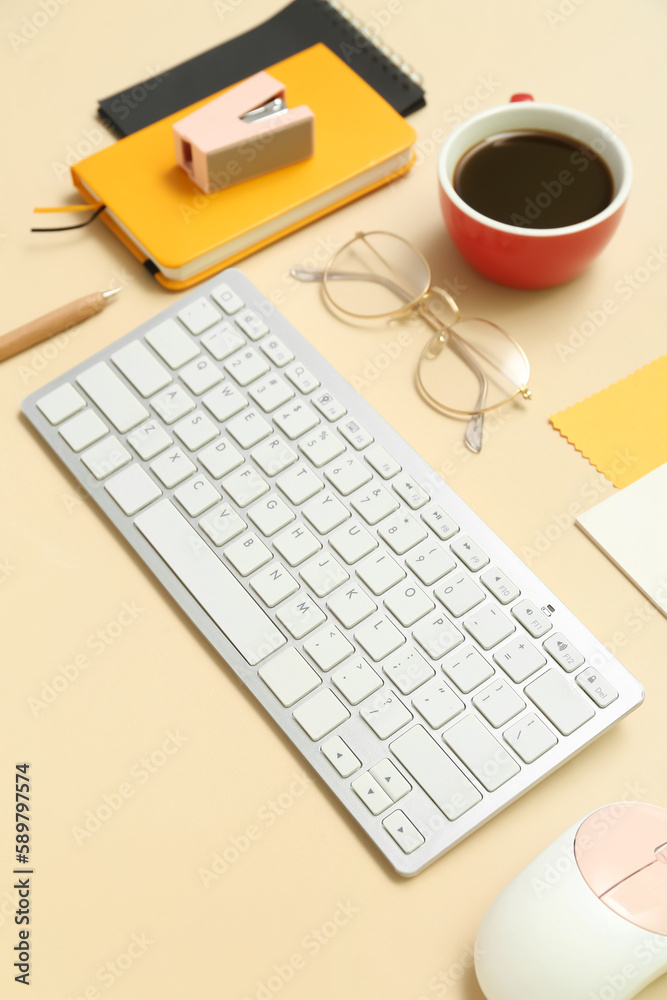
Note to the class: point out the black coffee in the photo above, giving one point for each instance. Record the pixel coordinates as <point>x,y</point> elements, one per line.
<point>536,180</point>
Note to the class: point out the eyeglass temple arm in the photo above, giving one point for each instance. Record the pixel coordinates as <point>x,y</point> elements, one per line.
<point>308,274</point>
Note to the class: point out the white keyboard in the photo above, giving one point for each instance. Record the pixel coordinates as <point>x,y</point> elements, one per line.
<point>426,674</point>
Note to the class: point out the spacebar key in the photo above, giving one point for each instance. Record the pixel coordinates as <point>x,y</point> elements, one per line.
<point>436,772</point>
<point>210,582</point>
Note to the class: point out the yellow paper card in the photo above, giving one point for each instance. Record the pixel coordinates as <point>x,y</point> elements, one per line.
<point>622,430</point>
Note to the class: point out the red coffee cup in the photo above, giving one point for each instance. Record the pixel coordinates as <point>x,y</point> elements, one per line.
<point>522,257</point>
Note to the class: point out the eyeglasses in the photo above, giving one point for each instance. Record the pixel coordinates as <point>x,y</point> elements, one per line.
<point>378,275</point>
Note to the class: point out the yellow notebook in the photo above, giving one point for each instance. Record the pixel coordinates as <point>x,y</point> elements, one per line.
<point>184,235</point>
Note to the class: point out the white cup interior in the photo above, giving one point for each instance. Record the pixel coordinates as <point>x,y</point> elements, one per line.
<point>547,118</point>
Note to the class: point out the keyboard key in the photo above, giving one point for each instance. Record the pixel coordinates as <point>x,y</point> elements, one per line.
<point>348,475</point>
<point>440,522</point>
<point>299,376</point>
<point>519,659</point>
<point>468,669</point>
<point>352,542</point>
<point>558,700</point>
<point>172,403</point>
<point>436,772</point>
<point>355,434</point>
<point>328,647</point>
<point>274,455</point>
<point>408,604</point>
<point>227,299</point>
<point>530,738</point>
<point>201,375</point>
<point>325,512</point>
<point>500,586</point>
<point>245,366</point>
<point>437,635</point>
<point>407,669</point>
<point>328,406</point>
<point>323,574</point>
<point>410,491</point>
<point>596,687</point>
<point>385,714</point>
<point>356,680</point>
<point>276,351</point>
<point>222,341</point>
<point>299,484</point>
<point>270,392</point>
<point>224,401</point>
<point>296,419</point>
<point>405,833</point>
<point>438,704</point>
<point>563,652</point>
<point>172,343</point>
<point>196,430</point>
<point>249,428</point>
<point>459,594</point>
<point>106,457</point>
<point>83,430</point>
<point>251,324</point>
<point>371,793</point>
<point>61,403</point>
<point>149,439</point>
<point>245,485</point>
<point>378,638</point>
<point>321,714</point>
<point>220,458</point>
<point>296,543</point>
<point>141,368</point>
<point>401,532</point>
<point>197,496</point>
<point>339,754</point>
<point>380,572</point>
<point>209,581</point>
<point>274,584</point>
<point>379,459</point>
<point>390,779</point>
<point>472,742</point>
<point>498,703</point>
<point>533,620</point>
<point>173,467</point>
<point>351,606</point>
<point>374,504</point>
<point>199,315</point>
<point>248,553</point>
<point>430,563</point>
<point>489,626</point>
<point>469,553</point>
<point>222,524</point>
<point>289,676</point>
<point>112,396</point>
<point>132,489</point>
<point>300,616</point>
<point>270,514</point>
<point>322,447</point>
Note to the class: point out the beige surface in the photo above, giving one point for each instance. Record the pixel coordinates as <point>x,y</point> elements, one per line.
<point>65,575</point>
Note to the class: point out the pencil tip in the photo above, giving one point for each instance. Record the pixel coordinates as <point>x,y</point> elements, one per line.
<point>111,293</point>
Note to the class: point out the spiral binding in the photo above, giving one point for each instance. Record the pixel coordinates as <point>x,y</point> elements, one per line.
<point>392,59</point>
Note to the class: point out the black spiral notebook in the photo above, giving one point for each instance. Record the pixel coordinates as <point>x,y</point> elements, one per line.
<point>298,26</point>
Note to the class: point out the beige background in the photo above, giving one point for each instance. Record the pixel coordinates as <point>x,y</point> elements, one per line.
<point>65,574</point>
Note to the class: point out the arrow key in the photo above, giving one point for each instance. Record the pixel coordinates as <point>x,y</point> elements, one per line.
<point>391,779</point>
<point>406,835</point>
<point>339,754</point>
<point>370,793</point>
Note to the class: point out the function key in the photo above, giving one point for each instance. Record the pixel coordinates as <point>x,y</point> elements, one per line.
<point>383,463</point>
<point>357,435</point>
<point>61,403</point>
<point>563,652</point>
<point>299,376</point>
<point>252,325</point>
<point>532,619</point>
<point>499,585</point>
<point>199,315</point>
<point>328,406</point>
<point>276,351</point>
<point>227,299</point>
<point>440,522</point>
<point>411,492</point>
<point>469,553</point>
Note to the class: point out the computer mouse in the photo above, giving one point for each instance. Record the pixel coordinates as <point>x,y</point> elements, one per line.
<point>587,919</point>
